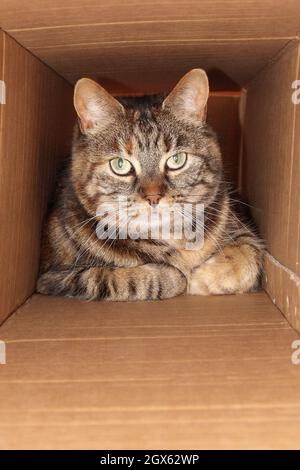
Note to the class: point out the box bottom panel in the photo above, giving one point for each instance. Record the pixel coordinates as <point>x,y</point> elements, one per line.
<point>190,372</point>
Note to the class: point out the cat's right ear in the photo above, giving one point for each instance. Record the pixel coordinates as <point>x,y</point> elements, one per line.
<point>187,101</point>
<point>95,107</point>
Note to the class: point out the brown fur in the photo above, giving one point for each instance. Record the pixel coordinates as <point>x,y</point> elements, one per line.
<point>145,131</point>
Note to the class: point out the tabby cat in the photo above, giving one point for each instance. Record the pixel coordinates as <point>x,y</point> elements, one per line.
<point>154,151</point>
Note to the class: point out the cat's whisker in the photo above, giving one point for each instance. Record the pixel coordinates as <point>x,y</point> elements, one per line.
<point>84,251</point>
<point>208,233</point>
<point>103,246</point>
<point>110,231</point>
<point>77,227</point>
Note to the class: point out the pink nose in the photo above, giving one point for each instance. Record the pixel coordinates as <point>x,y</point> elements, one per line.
<point>153,199</point>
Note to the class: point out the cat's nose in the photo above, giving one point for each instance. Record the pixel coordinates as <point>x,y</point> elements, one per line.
<point>153,199</point>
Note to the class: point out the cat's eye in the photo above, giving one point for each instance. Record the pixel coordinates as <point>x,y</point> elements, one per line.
<point>176,161</point>
<point>121,166</point>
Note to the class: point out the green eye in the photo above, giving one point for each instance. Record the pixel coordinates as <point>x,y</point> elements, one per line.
<point>176,161</point>
<point>121,166</point>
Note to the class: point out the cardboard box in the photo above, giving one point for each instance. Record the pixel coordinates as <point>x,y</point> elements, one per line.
<point>100,375</point>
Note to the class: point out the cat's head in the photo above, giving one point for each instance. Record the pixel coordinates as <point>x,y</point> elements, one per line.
<point>155,152</point>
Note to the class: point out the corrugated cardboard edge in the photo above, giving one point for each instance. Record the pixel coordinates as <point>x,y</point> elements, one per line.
<point>283,286</point>
<point>281,282</point>
<point>35,127</point>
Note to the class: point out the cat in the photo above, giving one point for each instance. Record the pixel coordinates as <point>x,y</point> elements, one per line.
<point>153,151</point>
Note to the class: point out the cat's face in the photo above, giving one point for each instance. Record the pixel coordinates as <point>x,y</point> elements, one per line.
<point>155,152</point>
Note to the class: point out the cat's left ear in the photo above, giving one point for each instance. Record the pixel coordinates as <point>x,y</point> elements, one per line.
<point>187,101</point>
<point>95,107</point>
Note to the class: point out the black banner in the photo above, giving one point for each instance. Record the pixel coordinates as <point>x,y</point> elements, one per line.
<point>144,458</point>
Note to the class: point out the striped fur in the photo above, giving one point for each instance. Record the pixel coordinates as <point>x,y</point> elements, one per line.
<point>145,131</point>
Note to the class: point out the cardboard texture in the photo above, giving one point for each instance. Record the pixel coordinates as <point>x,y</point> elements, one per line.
<point>271,171</point>
<point>191,372</point>
<point>294,207</point>
<point>188,373</point>
<point>268,141</point>
<point>283,286</point>
<point>32,147</point>
<point>47,14</point>
<point>223,116</point>
<point>2,99</point>
<point>120,67</point>
<point>35,132</point>
<point>115,41</point>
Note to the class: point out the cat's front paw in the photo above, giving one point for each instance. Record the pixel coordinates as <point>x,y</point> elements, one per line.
<point>163,282</point>
<point>211,278</point>
<point>234,270</point>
